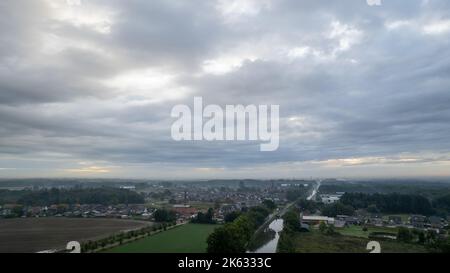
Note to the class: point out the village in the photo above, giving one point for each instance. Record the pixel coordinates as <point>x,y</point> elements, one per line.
<point>185,200</point>
<point>367,219</point>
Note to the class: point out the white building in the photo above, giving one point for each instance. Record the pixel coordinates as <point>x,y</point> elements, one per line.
<point>330,198</point>
<point>314,219</point>
<point>128,187</point>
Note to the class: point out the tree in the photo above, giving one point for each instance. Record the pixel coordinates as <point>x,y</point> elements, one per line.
<point>227,239</point>
<point>269,204</point>
<point>204,218</point>
<point>331,230</point>
<point>291,221</point>
<point>18,211</point>
<point>442,204</point>
<point>422,238</point>
<point>337,208</point>
<point>103,195</point>
<point>230,217</point>
<point>307,205</point>
<point>286,243</point>
<point>163,215</point>
<point>327,229</point>
<point>373,209</point>
<point>322,227</point>
<point>441,245</point>
<point>389,203</point>
<point>233,237</point>
<point>404,235</point>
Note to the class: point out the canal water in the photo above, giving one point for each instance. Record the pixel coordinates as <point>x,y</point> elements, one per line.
<point>267,240</point>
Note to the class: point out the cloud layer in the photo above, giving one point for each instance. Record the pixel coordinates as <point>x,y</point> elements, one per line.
<point>86,87</point>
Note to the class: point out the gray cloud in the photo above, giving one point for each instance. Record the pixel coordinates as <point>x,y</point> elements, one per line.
<point>96,83</point>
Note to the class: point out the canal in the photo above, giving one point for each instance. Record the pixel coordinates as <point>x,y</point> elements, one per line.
<point>267,240</point>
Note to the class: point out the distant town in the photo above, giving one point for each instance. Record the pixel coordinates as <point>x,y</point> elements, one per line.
<point>407,216</point>
<point>186,199</point>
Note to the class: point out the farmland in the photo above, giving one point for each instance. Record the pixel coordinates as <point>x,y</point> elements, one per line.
<point>189,238</point>
<point>37,234</point>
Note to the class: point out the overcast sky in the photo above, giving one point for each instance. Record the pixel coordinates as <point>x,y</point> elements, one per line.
<point>87,87</point>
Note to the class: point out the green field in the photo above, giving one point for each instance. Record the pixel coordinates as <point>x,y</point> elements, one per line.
<point>189,238</point>
<point>357,231</point>
<point>315,242</point>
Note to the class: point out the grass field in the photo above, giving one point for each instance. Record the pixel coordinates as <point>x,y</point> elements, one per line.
<point>189,238</point>
<point>315,242</point>
<point>357,231</point>
<point>37,234</point>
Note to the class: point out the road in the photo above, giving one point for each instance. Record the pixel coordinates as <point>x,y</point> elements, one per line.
<point>315,190</point>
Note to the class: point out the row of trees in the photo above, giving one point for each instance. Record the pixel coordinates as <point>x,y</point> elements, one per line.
<point>389,203</point>
<point>234,237</point>
<point>338,208</point>
<point>291,225</point>
<point>380,203</point>
<point>47,197</point>
<point>121,238</point>
<point>442,205</point>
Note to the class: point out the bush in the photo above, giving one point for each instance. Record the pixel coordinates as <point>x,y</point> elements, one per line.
<point>163,215</point>
<point>404,235</point>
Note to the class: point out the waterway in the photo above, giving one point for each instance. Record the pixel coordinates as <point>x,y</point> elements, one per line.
<point>266,241</point>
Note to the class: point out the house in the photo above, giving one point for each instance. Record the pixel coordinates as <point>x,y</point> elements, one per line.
<point>340,223</point>
<point>395,220</point>
<point>436,222</point>
<point>185,212</point>
<point>349,220</point>
<point>376,220</point>
<point>418,221</point>
<point>128,187</point>
<point>181,206</point>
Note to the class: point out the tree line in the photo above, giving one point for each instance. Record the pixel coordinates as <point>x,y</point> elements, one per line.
<point>442,205</point>
<point>389,203</point>
<point>234,236</point>
<point>47,197</point>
